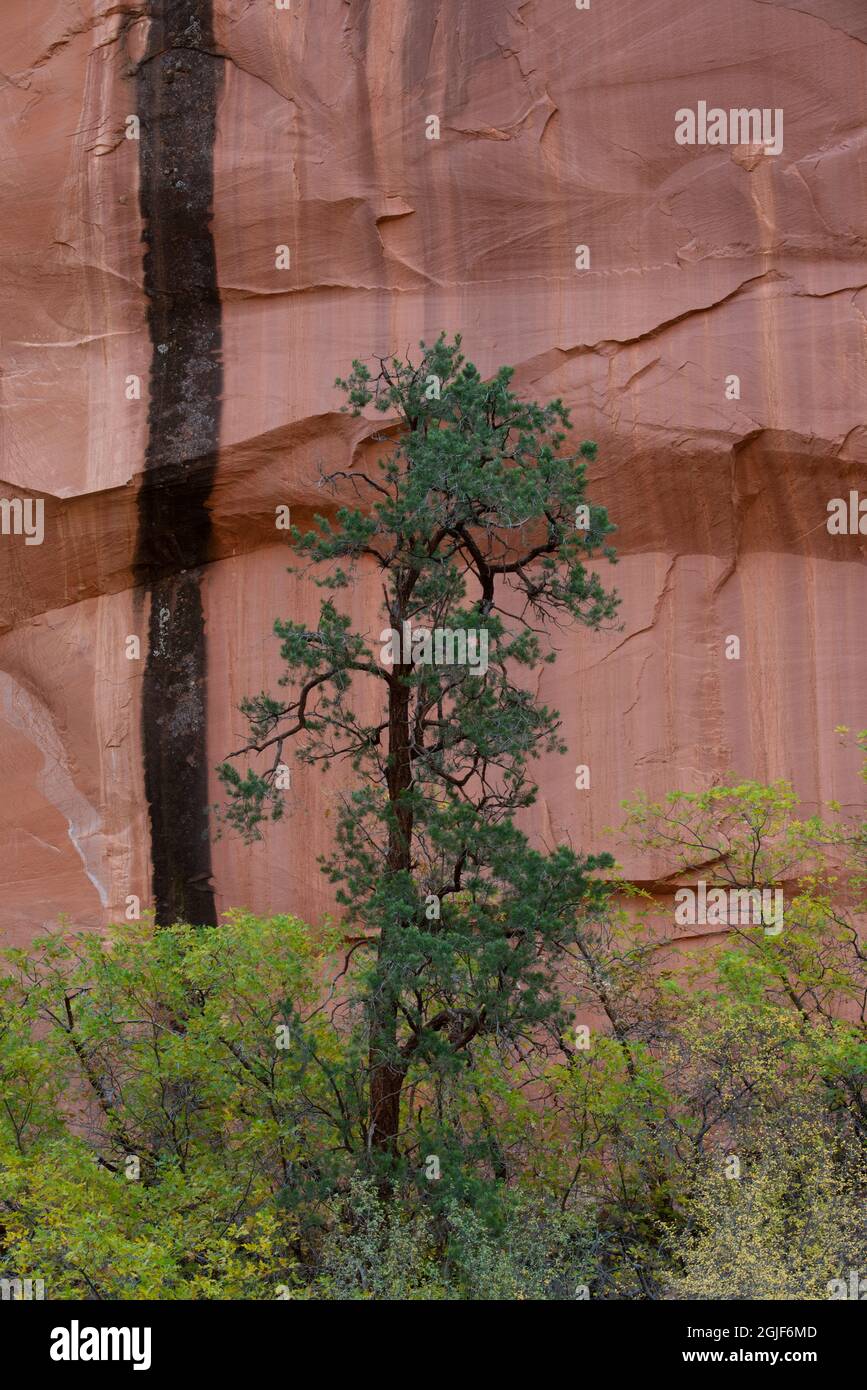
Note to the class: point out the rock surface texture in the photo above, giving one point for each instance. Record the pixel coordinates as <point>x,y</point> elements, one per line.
<point>167,382</point>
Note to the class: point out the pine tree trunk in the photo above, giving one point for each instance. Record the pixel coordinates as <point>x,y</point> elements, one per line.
<point>386,1070</point>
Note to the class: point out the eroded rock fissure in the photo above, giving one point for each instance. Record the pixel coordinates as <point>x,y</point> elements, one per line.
<point>178,83</point>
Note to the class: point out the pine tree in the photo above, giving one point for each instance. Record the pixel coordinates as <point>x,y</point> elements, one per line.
<point>481,530</point>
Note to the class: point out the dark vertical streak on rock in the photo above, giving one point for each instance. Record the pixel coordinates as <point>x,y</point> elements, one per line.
<point>178,83</point>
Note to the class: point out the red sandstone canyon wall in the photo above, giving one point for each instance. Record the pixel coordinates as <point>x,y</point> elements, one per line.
<point>144,251</point>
